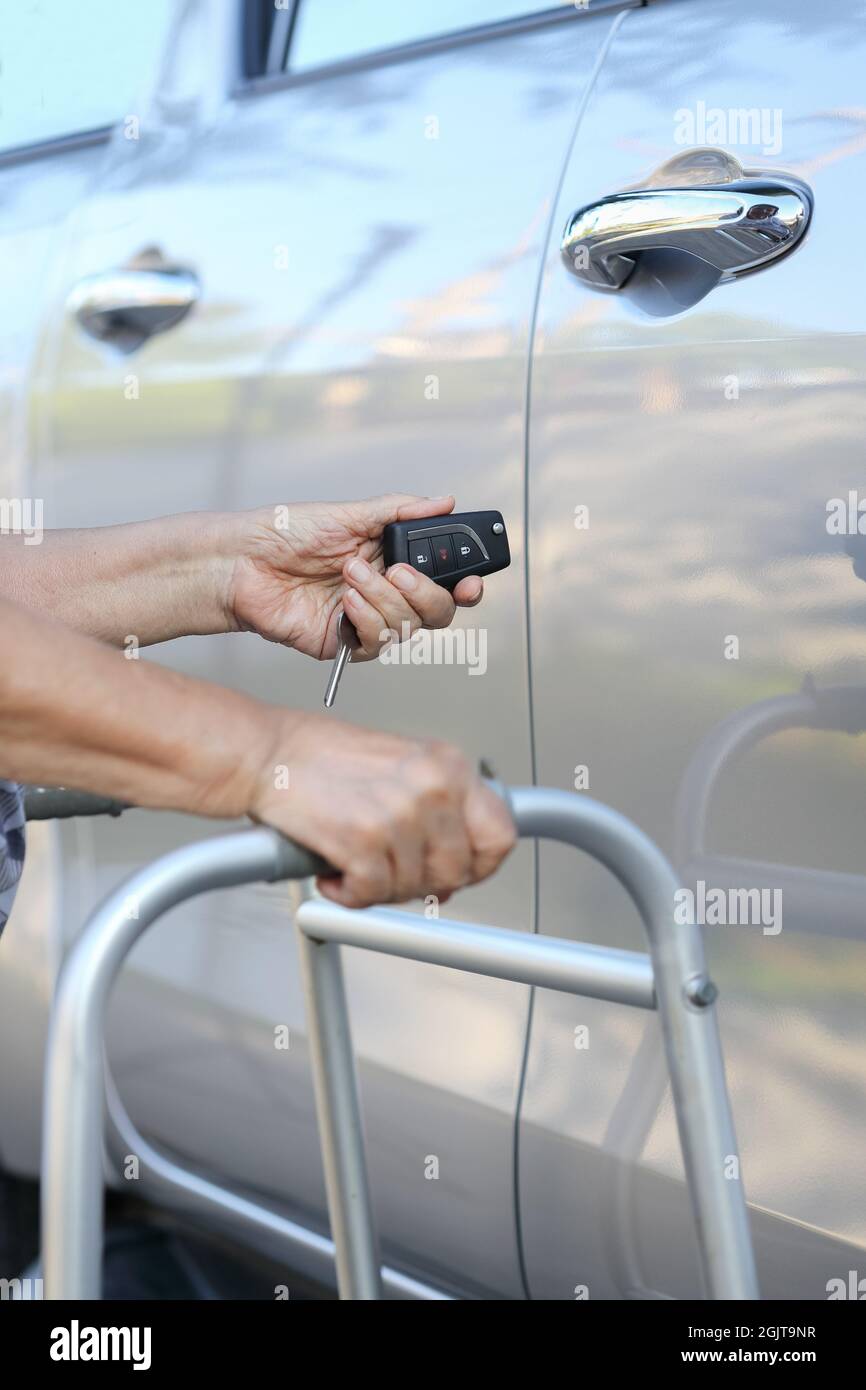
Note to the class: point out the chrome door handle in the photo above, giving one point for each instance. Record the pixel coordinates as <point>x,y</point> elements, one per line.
<point>127,306</point>
<point>731,227</point>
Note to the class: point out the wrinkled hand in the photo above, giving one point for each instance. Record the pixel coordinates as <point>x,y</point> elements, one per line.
<point>296,567</point>
<point>399,818</point>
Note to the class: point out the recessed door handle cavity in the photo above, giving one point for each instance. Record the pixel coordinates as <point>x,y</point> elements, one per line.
<point>126,306</point>
<point>732,228</point>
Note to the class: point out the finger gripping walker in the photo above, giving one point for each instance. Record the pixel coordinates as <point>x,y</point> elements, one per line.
<point>671,978</point>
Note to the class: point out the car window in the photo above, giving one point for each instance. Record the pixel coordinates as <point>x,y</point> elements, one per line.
<point>330,31</point>
<point>66,67</point>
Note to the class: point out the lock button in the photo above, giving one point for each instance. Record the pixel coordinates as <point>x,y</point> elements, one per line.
<point>468,552</point>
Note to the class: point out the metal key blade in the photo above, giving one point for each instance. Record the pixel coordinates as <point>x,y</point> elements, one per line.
<point>336,672</point>
<point>348,641</point>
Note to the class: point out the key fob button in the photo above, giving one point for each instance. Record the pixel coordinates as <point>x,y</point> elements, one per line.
<point>420,556</point>
<point>448,547</point>
<point>443,554</point>
<point>468,553</point>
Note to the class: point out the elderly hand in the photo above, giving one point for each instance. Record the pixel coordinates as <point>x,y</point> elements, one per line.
<point>399,818</point>
<point>297,566</point>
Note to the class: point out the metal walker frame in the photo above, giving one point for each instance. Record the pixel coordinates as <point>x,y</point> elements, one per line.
<point>671,978</point>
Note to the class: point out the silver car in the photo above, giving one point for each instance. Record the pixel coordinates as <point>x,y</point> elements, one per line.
<point>256,252</point>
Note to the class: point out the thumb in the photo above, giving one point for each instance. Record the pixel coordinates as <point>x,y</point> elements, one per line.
<point>375,513</point>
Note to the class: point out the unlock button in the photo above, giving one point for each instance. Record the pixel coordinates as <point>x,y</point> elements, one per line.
<point>420,557</point>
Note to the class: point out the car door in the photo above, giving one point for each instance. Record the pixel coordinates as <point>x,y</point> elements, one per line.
<point>364,231</point>
<point>694,547</point>
<point>67,75</point>
<point>53,131</point>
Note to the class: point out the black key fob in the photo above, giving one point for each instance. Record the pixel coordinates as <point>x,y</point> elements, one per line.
<point>449,547</point>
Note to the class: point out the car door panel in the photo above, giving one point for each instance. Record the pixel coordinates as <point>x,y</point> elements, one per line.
<point>368,246</point>
<point>53,147</point>
<point>701,580</point>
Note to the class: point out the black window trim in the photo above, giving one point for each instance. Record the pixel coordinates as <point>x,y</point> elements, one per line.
<point>279,81</point>
<point>385,57</point>
<point>61,144</point>
<point>55,145</point>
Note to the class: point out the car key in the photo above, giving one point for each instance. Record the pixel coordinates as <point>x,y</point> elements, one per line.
<point>449,547</point>
<point>446,548</point>
<point>348,641</point>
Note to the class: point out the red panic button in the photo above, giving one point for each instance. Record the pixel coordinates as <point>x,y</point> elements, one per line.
<point>443,554</point>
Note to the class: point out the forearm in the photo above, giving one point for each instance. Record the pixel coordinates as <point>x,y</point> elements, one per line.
<point>74,713</point>
<point>396,818</point>
<point>150,580</point>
